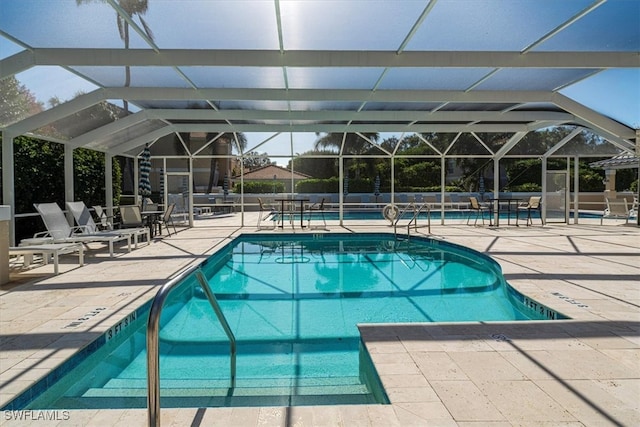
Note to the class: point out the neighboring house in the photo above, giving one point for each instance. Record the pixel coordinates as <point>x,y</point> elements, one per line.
<point>274,173</point>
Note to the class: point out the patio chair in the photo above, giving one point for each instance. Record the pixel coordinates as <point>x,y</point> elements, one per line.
<point>616,209</point>
<point>317,207</point>
<point>265,212</point>
<point>474,205</point>
<point>59,230</point>
<point>131,216</point>
<point>84,220</point>
<point>166,220</point>
<point>105,221</point>
<point>532,205</point>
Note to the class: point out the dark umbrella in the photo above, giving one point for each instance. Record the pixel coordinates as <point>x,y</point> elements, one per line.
<point>376,187</point>
<point>144,187</point>
<point>161,185</point>
<point>481,187</point>
<point>346,185</point>
<point>225,186</point>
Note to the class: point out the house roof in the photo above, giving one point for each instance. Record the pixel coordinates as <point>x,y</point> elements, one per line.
<point>623,161</point>
<point>311,66</point>
<point>269,171</point>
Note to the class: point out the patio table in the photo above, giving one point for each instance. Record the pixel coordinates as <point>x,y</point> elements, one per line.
<point>496,211</point>
<point>150,218</point>
<point>292,200</point>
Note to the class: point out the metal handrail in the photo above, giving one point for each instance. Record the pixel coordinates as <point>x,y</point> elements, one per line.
<point>416,214</point>
<point>400,215</point>
<point>414,218</point>
<point>153,326</point>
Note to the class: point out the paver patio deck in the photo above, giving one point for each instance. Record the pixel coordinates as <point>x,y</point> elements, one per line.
<point>584,371</point>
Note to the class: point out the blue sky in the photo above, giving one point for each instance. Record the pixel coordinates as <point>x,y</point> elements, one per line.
<point>614,93</point>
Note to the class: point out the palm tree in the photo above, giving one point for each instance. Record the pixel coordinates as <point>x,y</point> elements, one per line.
<point>133,8</point>
<point>222,146</point>
<point>353,144</point>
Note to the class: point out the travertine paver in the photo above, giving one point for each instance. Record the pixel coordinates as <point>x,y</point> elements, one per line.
<point>585,371</point>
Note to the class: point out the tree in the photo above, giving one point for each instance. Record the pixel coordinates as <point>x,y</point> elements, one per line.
<point>16,101</point>
<point>353,144</point>
<point>39,177</point>
<point>319,167</point>
<point>255,160</point>
<point>133,8</point>
<point>224,140</point>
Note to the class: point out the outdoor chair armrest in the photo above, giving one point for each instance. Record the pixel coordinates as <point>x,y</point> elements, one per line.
<point>79,229</point>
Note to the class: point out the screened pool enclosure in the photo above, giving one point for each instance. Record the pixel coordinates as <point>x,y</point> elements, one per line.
<point>442,98</point>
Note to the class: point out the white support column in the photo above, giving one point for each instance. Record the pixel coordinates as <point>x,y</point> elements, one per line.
<point>544,190</point>
<point>341,185</point>
<point>136,179</point>
<point>567,199</point>
<point>293,182</point>
<point>242,205</point>
<point>443,178</point>
<point>576,189</point>
<point>393,180</point>
<point>496,188</point>
<point>68,179</point>
<point>191,189</point>
<point>108,182</point>
<point>610,180</point>
<point>8,182</point>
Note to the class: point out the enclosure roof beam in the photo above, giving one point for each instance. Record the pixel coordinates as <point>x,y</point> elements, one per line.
<point>316,58</point>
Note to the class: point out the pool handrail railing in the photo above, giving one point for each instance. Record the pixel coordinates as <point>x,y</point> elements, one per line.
<point>153,328</point>
<point>414,218</point>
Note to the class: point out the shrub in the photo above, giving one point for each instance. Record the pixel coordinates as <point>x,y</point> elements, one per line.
<point>260,187</point>
<point>329,185</point>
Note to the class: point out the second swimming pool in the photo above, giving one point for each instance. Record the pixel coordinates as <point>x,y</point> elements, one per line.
<point>293,303</point>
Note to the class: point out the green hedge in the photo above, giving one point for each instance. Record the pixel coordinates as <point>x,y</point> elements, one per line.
<point>332,185</point>
<point>260,187</point>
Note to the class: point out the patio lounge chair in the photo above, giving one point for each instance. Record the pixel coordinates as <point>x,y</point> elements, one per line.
<point>617,209</point>
<point>50,250</point>
<point>531,205</point>
<point>317,207</point>
<point>59,230</point>
<point>265,212</point>
<point>105,221</point>
<point>84,220</point>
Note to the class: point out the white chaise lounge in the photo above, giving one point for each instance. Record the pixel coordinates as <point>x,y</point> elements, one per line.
<point>88,226</point>
<point>47,250</point>
<point>59,230</point>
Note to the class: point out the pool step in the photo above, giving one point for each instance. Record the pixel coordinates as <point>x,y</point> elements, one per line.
<point>215,401</point>
<point>343,390</point>
<point>203,383</point>
<point>214,393</point>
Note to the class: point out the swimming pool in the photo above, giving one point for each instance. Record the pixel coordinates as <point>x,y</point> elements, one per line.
<point>293,302</point>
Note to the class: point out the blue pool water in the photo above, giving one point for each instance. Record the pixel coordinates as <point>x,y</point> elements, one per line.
<point>293,303</point>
